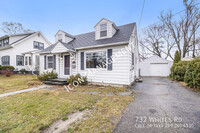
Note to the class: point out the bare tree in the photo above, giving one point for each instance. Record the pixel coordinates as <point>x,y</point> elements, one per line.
<point>183,30</point>
<point>156,40</point>
<point>13,28</point>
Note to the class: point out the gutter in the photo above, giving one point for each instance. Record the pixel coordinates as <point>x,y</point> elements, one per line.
<point>7,47</point>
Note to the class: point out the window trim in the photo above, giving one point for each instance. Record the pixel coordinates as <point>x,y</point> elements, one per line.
<point>8,60</point>
<point>85,59</point>
<point>30,60</point>
<point>104,30</point>
<point>47,62</point>
<point>22,60</point>
<point>38,45</point>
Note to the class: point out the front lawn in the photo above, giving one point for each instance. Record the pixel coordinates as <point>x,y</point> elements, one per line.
<point>17,82</point>
<point>37,110</point>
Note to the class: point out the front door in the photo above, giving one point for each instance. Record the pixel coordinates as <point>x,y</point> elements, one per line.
<point>67,65</point>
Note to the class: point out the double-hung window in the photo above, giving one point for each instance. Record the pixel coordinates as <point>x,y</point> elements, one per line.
<point>20,60</point>
<point>5,60</point>
<point>96,59</point>
<point>103,30</point>
<point>50,61</point>
<point>30,60</point>
<point>60,37</point>
<point>38,45</point>
<point>26,60</point>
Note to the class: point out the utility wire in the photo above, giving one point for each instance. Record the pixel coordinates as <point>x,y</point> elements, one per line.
<point>141,14</point>
<point>166,18</point>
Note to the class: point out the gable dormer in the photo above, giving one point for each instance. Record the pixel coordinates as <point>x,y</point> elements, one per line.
<point>63,37</point>
<point>105,29</point>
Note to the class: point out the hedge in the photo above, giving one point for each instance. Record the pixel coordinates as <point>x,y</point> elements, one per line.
<point>7,68</point>
<point>187,71</point>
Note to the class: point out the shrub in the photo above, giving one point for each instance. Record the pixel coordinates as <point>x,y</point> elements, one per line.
<point>189,75</point>
<point>80,79</point>
<point>7,73</point>
<point>178,70</point>
<point>23,71</point>
<point>7,68</point>
<point>47,75</point>
<point>196,79</point>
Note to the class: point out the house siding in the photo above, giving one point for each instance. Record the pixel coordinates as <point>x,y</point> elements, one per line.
<point>18,49</point>
<point>118,74</point>
<point>110,30</point>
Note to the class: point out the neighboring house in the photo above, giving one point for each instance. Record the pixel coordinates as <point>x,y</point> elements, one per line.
<point>187,58</point>
<point>22,50</point>
<point>155,66</point>
<point>85,52</point>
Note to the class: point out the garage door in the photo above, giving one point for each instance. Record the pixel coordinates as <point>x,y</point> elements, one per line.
<point>159,69</point>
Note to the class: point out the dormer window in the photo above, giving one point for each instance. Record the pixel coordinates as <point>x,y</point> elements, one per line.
<point>103,30</point>
<point>60,37</point>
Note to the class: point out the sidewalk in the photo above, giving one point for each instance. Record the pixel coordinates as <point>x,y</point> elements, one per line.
<point>25,90</point>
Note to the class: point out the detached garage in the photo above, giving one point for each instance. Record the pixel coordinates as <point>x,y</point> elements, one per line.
<point>155,66</point>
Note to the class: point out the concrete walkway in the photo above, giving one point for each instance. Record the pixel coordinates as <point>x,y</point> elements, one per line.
<point>25,90</point>
<point>161,106</point>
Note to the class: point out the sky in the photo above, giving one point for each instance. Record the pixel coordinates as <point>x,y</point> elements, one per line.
<point>80,16</point>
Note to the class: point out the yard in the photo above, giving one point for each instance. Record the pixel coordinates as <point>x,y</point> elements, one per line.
<point>17,82</point>
<point>35,111</point>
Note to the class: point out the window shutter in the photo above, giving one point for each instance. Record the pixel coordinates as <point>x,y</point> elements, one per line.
<point>109,59</point>
<point>45,62</point>
<point>82,60</point>
<point>54,61</point>
<point>9,60</point>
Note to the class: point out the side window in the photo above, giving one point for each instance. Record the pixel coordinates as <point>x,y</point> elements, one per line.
<point>26,60</point>
<point>38,45</point>
<point>19,60</point>
<point>30,60</point>
<point>5,60</point>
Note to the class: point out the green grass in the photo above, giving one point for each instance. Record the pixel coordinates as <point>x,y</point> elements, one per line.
<point>104,117</point>
<point>37,110</point>
<point>17,82</point>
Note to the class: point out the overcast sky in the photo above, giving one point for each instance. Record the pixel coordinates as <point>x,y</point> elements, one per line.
<point>80,16</point>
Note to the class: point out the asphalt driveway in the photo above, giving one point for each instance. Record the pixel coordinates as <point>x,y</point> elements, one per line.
<point>161,105</point>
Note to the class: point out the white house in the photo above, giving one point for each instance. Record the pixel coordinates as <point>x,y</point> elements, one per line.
<point>155,66</point>
<point>109,55</point>
<point>22,50</point>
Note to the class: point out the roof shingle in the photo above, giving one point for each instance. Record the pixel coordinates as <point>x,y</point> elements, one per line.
<point>88,39</point>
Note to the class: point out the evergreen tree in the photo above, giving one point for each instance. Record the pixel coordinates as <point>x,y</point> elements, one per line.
<point>177,57</point>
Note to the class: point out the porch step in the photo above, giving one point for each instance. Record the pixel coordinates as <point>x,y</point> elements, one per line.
<point>58,81</point>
